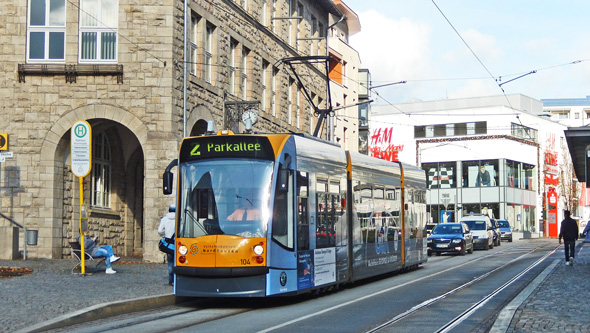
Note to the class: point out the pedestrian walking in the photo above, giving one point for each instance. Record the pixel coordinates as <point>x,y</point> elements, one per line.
<point>569,233</point>
<point>167,228</point>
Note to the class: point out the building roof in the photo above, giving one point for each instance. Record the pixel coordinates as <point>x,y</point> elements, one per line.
<point>352,19</point>
<point>578,139</point>
<point>566,101</point>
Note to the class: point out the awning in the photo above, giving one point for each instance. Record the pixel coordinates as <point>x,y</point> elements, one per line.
<point>578,142</point>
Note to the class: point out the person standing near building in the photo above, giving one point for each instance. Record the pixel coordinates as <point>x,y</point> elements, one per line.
<point>569,233</point>
<point>167,228</point>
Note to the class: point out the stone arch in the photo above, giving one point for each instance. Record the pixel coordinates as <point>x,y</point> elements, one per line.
<point>197,122</point>
<point>55,156</point>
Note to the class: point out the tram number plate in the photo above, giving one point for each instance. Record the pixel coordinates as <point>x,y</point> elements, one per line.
<point>441,245</point>
<point>245,261</point>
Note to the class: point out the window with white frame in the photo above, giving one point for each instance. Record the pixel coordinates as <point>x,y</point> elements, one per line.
<point>244,73</point>
<point>297,107</point>
<point>314,34</point>
<point>290,102</point>
<point>46,31</point>
<point>208,54</point>
<point>263,78</point>
<point>98,30</point>
<point>101,171</point>
<point>263,12</point>
<point>273,12</point>
<point>273,93</point>
<point>193,44</point>
<point>232,66</point>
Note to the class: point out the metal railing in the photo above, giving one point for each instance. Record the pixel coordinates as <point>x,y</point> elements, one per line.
<point>24,233</point>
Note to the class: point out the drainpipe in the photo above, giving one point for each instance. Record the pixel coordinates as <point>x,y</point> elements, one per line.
<point>185,69</point>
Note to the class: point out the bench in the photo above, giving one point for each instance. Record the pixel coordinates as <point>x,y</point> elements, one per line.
<point>77,253</point>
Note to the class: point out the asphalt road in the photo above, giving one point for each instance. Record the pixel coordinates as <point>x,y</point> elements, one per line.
<point>449,293</point>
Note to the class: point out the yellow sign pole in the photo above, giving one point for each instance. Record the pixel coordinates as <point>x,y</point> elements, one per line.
<point>82,236</point>
<point>81,163</point>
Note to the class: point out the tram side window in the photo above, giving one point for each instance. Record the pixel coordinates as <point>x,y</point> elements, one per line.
<point>302,214</point>
<point>326,210</point>
<point>282,225</point>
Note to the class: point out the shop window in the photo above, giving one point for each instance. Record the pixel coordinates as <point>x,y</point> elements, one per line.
<point>480,173</point>
<point>441,175</point>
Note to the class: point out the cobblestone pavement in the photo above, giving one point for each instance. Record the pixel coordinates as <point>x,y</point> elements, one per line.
<point>52,290</point>
<point>558,304</point>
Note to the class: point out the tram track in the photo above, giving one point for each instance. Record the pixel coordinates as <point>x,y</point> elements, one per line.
<point>476,305</point>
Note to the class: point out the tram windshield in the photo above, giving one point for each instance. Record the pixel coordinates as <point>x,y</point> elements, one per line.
<point>224,197</point>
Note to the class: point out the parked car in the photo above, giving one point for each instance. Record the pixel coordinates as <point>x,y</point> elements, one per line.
<point>505,230</point>
<point>481,228</point>
<point>497,232</point>
<point>450,237</point>
<point>429,227</point>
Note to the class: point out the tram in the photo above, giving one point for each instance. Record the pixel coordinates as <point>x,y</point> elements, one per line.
<point>286,214</point>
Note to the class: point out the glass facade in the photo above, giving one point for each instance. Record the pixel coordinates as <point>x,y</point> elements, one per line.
<point>499,188</point>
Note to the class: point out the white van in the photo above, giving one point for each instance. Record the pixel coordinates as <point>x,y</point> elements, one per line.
<point>481,228</point>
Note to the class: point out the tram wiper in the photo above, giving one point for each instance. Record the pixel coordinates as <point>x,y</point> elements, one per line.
<point>196,221</point>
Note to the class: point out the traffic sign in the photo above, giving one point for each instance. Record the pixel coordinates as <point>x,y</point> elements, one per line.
<point>3,141</point>
<point>81,148</point>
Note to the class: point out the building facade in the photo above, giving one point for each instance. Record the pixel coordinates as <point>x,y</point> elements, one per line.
<point>143,75</point>
<point>488,155</point>
<point>343,125</point>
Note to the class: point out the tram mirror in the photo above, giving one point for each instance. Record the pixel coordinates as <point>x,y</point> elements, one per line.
<point>283,183</point>
<point>167,182</point>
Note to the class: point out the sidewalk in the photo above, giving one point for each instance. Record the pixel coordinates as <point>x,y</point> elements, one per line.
<point>52,291</point>
<point>556,300</point>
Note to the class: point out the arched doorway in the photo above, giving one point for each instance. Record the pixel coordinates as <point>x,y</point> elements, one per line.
<point>113,191</point>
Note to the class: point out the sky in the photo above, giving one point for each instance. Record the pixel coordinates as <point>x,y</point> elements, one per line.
<point>485,45</point>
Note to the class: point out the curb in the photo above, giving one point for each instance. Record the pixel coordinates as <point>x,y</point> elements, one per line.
<point>502,323</point>
<point>104,310</point>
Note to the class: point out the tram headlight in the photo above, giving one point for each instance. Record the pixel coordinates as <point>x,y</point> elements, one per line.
<point>258,249</point>
<point>182,250</point>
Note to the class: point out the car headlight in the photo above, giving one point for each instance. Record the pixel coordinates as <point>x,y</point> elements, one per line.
<point>456,241</point>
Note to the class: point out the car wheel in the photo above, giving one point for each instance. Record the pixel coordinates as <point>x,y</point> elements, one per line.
<point>429,253</point>
<point>510,239</point>
<point>471,249</point>
<point>487,246</point>
<point>462,252</point>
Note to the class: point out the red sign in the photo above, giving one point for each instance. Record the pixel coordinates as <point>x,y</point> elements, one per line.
<point>381,146</point>
<point>552,214</point>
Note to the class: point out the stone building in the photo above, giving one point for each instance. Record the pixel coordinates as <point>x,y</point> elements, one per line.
<point>143,80</point>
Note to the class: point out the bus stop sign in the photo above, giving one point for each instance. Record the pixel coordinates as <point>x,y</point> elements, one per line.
<point>81,148</point>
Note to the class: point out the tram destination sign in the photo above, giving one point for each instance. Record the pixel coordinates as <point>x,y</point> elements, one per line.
<point>234,146</point>
<point>81,146</point>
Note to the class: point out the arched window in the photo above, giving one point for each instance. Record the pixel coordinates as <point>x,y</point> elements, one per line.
<point>101,171</point>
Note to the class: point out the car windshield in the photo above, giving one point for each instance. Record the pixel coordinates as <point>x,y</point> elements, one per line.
<point>446,229</point>
<point>504,224</point>
<point>476,225</point>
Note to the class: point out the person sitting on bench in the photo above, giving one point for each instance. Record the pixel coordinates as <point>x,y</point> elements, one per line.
<point>90,246</point>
